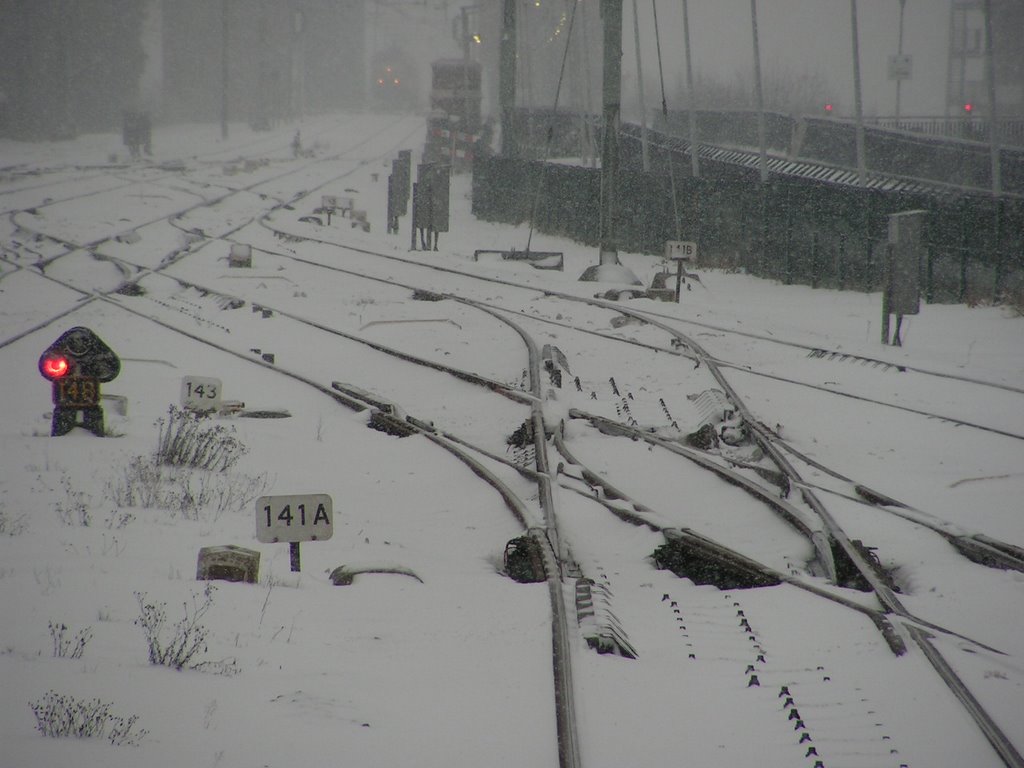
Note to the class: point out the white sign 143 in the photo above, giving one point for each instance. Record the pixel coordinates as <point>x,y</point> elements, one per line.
<point>306,517</point>
<point>200,393</point>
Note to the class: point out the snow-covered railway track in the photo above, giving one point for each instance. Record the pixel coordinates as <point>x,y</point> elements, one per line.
<point>781,693</point>
<point>517,500</point>
<point>538,523</point>
<point>854,559</point>
<point>76,183</point>
<point>856,562</point>
<point>111,258</point>
<point>922,392</point>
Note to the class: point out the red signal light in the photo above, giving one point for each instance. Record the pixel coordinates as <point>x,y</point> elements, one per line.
<point>54,366</point>
<point>968,107</point>
<point>828,107</point>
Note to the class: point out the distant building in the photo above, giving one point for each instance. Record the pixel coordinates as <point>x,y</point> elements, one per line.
<point>67,67</point>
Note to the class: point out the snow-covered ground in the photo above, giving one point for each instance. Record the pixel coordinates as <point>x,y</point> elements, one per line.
<point>453,667</point>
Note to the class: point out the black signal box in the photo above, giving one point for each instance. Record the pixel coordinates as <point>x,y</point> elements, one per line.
<point>77,363</point>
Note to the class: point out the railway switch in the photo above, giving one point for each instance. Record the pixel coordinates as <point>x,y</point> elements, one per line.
<point>76,364</point>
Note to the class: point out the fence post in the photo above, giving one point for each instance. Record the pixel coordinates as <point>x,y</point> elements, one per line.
<point>841,262</point>
<point>929,273</point>
<point>763,253</point>
<point>815,266</point>
<point>788,237</point>
<point>999,279</point>
<point>962,293</point>
<point>869,243</point>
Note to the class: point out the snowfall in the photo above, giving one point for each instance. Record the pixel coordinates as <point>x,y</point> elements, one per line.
<point>447,661</point>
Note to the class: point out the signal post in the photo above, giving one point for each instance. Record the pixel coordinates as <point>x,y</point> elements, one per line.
<point>77,363</point>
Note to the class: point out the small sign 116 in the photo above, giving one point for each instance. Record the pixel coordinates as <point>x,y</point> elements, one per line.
<point>200,393</point>
<point>306,517</point>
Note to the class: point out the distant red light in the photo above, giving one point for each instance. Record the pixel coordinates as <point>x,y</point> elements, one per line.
<point>54,367</point>
<point>828,107</point>
<point>968,107</point>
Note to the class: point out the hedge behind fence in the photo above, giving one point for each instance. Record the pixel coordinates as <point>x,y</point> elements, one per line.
<point>791,229</point>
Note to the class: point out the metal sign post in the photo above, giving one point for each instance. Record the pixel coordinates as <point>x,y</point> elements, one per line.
<point>294,519</point>
<point>398,189</point>
<point>329,204</point>
<point>902,294</point>
<point>430,204</point>
<point>680,251</point>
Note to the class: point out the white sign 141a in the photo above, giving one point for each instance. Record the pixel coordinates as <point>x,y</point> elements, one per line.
<point>306,517</point>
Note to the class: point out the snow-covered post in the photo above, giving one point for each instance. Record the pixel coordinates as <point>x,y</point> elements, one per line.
<point>902,294</point>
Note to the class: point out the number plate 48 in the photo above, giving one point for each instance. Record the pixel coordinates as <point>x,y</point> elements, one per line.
<point>308,517</point>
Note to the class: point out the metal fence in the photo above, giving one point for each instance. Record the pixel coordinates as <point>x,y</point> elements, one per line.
<point>795,230</point>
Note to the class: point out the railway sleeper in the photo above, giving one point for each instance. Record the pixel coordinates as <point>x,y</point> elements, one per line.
<point>600,628</point>
<point>423,295</point>
<point>703,561</point>
<point>391,425</point>
<point>522,437</point>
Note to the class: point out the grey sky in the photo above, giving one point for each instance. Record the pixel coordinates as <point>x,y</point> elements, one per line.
<point>807,36</point>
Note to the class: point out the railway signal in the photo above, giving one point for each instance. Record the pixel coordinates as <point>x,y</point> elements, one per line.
<point>76,364</point>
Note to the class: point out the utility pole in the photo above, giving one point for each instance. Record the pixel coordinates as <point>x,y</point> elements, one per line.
<point>692,106</point>
<point>759,93</point>
<point>611,91</point>
<point>993,123</point>
<point>899,50</point>
<point>858,103</point>
<point>299,63</point>
<point>507,77</point>
<point>644,151</point>
<point>223,69</point>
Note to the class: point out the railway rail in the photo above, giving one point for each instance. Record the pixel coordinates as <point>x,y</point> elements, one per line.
<point>811,517</point>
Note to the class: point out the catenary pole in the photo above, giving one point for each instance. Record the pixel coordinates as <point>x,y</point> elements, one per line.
<point>858,103</point>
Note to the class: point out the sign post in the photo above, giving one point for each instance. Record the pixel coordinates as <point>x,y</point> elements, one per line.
<point>294,519</point>
<point>329,204</point>
<point>680,251</point>
<point>902,294</point>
